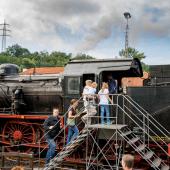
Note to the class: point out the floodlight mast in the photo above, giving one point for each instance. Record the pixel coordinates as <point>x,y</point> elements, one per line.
<point>127,17</point>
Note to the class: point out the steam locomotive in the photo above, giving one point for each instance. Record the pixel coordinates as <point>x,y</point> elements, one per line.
<point>27,100</point>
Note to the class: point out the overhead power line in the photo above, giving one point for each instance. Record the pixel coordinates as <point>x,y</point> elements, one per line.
<point>5,32</point>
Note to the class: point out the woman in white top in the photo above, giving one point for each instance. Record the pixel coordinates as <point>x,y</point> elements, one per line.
<point>104,103</point>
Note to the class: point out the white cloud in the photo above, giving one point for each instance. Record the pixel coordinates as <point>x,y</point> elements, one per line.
<point>36,23</point>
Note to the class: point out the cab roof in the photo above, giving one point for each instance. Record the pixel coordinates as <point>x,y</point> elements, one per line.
<point>131,67</point>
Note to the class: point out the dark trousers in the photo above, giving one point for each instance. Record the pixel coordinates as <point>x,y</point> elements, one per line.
<point>51,149</point>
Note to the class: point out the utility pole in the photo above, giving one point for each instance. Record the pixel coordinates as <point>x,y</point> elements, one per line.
<point>127,17</point>
<point>4,33</point>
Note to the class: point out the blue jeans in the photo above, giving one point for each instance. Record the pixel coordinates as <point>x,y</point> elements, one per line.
<point>73,132</point>
<point>103,109</point>
<point>51,149</point>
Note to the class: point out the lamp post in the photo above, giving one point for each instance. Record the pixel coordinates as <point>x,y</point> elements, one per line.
<point>127,17</point>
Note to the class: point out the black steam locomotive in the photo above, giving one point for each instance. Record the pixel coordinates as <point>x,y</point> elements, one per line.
<point>26,100</point>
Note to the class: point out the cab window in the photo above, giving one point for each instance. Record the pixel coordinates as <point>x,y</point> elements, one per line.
<point>73,85</point>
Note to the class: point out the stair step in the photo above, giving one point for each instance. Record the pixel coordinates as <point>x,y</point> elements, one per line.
<point>133,140</point>
<point>82,136</point>
<point>156,162</point>
<point>126,133</point>
<point>76,141</point>
<point>60,158</point>
<point>71,146</point>
<point>165,167</point>
<point>84,131</point>
<point>64,152</point>
<point>140,147</point>
<point>148,155</point>
<point>49,168</point>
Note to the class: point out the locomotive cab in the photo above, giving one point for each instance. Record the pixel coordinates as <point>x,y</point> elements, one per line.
<point>77,72</point>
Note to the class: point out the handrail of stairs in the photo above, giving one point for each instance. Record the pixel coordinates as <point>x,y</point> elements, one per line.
<point>139,120</point>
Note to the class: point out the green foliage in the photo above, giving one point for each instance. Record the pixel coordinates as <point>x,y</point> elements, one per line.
<point>25,59</point>
<point>145,67</point>
<point>16,51</point>
<point>132,53</point>
<point>28,63</point>
<point>9,59</point>
<point>82,57</point>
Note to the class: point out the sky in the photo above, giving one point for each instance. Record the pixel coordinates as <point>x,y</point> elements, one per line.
<point>93,27</point>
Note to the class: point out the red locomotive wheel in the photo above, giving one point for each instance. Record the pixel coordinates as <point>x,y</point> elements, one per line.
<point>19,135</point>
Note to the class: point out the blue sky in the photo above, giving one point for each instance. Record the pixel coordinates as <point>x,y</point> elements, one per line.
<point>94,27</point>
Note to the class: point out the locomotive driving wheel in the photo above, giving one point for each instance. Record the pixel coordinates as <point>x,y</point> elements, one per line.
<point>19,135</point>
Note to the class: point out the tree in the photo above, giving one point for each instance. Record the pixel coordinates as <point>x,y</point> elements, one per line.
<point>17,51</point>
<point>82,57</point>
<point>132,52</point>
<point>28,63</point>
<point>24,58</point>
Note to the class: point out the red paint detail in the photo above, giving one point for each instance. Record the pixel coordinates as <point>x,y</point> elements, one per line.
<point>19,131</point>
<point>169,149</point>
<point>35,117</point>
<point>17,135</point>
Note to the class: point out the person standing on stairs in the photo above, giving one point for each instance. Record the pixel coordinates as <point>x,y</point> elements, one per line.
<point>52,128</point>
<point>104,99</point>
<point>127,162</point>
<point>73,131</point>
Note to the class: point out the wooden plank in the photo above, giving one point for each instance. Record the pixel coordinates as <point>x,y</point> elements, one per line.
<point>17,154</point>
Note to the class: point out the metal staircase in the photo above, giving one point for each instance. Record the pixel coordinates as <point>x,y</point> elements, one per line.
<point>142,149</point>
<point>126,112</point>
<point>72,146</point>
<point>68,150</point>
<point>148,126</point>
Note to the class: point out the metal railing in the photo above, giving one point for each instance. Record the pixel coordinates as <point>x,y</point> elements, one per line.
<point>124,108</point>
<point>145,121</point>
